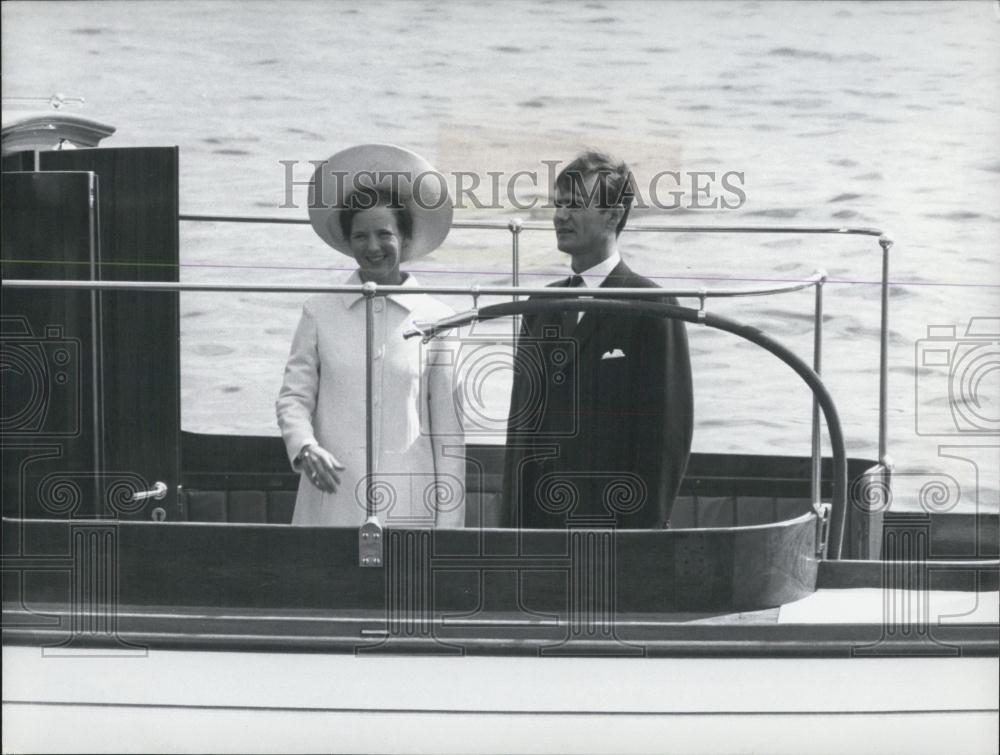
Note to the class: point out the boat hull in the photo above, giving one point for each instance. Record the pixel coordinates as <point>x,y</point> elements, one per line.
<point>432,573</point>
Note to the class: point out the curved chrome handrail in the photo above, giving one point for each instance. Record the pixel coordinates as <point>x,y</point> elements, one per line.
<point>675,312</point>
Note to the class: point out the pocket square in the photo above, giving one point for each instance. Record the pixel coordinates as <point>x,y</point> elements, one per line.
<point>613,354</point>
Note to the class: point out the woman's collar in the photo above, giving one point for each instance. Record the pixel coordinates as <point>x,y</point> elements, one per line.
<point>406,300</point>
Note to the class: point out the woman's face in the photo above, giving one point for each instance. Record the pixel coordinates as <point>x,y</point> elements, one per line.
<point>377,245</point>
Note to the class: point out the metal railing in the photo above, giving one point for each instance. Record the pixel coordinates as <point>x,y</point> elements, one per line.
<point>515,227</point>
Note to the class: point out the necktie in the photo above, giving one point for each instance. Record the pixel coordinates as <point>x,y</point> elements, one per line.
<point>570,318</point>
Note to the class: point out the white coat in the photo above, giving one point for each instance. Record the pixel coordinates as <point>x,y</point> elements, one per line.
<point>419,470</point>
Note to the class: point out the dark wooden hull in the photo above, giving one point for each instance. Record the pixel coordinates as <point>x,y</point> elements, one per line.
<point>128,586</point>
<point>441,572</point>
<point>695,590</point>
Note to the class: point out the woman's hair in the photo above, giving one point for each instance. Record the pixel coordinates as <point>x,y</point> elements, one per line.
<point>366,199</point>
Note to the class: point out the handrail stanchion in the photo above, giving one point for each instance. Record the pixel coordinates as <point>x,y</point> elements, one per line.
<point>817,458</point>
<point>370,534</point>
<point>883,358</point>
<point>369,292</point>
<point>514,226</point>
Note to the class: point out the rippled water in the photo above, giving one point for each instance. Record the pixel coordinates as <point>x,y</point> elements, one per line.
<point>836,114</point>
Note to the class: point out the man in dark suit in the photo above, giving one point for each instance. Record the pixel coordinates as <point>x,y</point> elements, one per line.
<point>601,412</point>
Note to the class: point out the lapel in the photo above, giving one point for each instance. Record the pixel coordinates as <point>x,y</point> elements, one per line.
<point>617,278</point>
<point>559,319</point>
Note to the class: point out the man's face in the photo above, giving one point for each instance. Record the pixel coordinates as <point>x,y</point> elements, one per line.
<point>581,225</point>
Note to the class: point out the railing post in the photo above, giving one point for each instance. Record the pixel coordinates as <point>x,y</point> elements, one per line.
<point>370,533</point>
<point>369,290</point>
<point>883,358</point>
<point>817,457</point>
<point>514,226</point>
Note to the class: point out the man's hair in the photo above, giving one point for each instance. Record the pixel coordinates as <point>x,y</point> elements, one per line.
<point>613,187</point>
<point>366,199</point>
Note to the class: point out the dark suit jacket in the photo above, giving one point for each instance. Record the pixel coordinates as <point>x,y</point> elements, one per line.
<point>601,418</point>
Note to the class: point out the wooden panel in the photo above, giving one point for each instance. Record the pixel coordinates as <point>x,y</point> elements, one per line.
<point>968,576</point>
<point>782,556</point>
<point>569,573</point>
<point>18,161</point>
<point>682,515</point>
<point>733,489</point>
<point>206,505</point>
<point>48,228</point>
<point>755,510</point>
<point>286,589</point>
<point>235,462</point>
<point>50,410</point>
<point>973,536</point>
<point>714,511</point>
<point>247,506</point>
<point>280,506</point>
<point>708,474</point>
<point>259,463</point>
<point>138,231</point>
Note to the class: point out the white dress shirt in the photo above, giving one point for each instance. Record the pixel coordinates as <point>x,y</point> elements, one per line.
<point>595,276</point>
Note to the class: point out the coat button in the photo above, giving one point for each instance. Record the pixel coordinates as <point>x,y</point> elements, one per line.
<point>378,305</point>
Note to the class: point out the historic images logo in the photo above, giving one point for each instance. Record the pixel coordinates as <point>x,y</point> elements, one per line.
<point>524,190</point>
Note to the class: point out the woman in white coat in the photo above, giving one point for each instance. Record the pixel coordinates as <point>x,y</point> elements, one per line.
<point>419,451</point>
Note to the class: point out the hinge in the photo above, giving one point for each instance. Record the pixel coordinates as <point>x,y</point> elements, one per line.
<point>822,527</point>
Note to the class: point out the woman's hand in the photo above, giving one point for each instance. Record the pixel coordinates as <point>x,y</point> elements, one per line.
<point>320,467</point>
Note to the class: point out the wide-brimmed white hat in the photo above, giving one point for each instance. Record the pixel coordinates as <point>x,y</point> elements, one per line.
<point>385,167</point>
